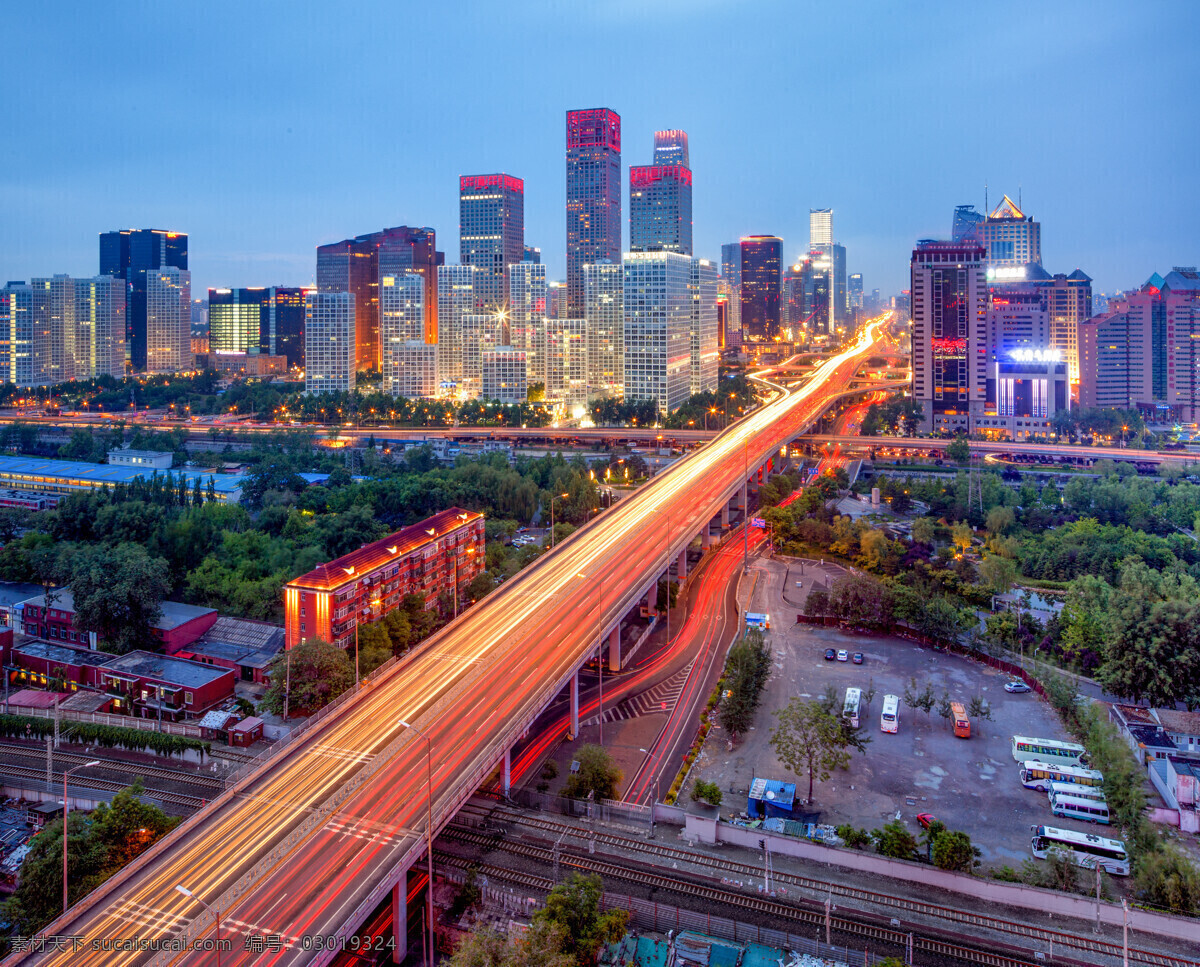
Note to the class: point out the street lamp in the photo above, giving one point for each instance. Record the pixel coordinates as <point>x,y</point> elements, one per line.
<point>428,834</point>
<point>552,500</point>
<point>216,914</point>
<point>66,813</point>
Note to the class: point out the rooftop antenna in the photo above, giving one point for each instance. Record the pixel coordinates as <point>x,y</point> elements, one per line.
<point>985,198</point>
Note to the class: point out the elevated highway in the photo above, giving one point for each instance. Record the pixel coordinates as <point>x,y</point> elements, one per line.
<point>304,846</point>
<point>1075,453</point>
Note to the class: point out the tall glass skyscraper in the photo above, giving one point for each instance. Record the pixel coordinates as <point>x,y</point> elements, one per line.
<point>605,315</point>
<point>820,228</point>
<point>593,197</point>
<point>329,355</point>
<point>761,281</point>
<point>660,198</point>
<point>705,354</point>
<point>671,148</point>
<point>456,300</point>
<point>169,320</point>
<point>491,226</point>
<point>731,286</point>
<point>527,316</point>
<point>129,254</point>
<point>658,326</point>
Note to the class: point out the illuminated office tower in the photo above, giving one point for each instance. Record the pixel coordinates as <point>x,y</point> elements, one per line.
<point>854,290</point>
<point>129,254</point>
<point>1069,301</point>
<point>100,322</point>
<point>731,286</point>
<point>480,331</point>
<point>556,298</point>
<point>503,376</point>
<point>671,148</point>
<point>532,254</point>
<point>760,283</point>
<point>593,197</point>
<point>18,363</point>
<point>352,265</point>
<point>967,224</point>
<point>657,326</point>
<point>605,316</point>
<point>949,333</point>
<point>705,354</point>
<point>660,198</point>
<point>55,328</point>
<point>282,327</point>
<point>404,249</point>
<point>1010,237</point>
<point>527,315</point>
<point>169,321</point>
<point>401,325</point>
<point>820,228</point>
<point>329,333</point>
<point>235,319</point>
<point>491,220</point>
<point>456,299</point>
<point>567,363</point>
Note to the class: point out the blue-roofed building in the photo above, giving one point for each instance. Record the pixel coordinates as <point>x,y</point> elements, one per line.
<point>769,797</point>
<point>67,476</point>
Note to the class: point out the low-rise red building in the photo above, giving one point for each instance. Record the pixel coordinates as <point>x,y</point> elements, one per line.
<point>177,626</point>
<point>428,559</point>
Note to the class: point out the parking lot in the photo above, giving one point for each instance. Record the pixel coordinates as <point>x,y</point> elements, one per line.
<point>970,784</point>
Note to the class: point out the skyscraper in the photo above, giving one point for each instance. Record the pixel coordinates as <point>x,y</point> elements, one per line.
<point>949,333</point>
<point>100,318</point>
<point>407,370</point>
<point>503,375</point>
<point>532,254</point>
<point>282,331</point>
<point>761,282</point>
<point>731,287</point>
<point>129,254</point>
<point>657,324</point>
<point>491,220</point>
<point>854,290</point>
<point>329,331</point>
<point>671,148</point>
<point>55,327</point>
<point>235,319</point>
<point>168,320</point>
<point>967,224</point>
<point>820,228</point>
<point>605,316</point>
<point>660,198</point>
<point>1011,237</point>
<point>18,363</point>
<point>705,355</point>
<point>456,299</point>
<point>1069,303</point>
<point>407,249</point>
<point>567,362</point>
<point>527,316</point>
<point>593,196</point>
<point>481,331</point>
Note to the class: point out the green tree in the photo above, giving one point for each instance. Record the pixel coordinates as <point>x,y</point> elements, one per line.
<point>574,907</point>
<point>959,450</point>
<point>962,536</point>
<point>1000,519</point>
<point>708,792</point>
<point>597,775</point>
<point>1167,878</point>
<point>916,697</point>
<point>923,531</point>
<point>746,669</point>
<point>543,945</point>
<point>810,739</point>
<point>118,592</point>
<point>999,573</point>
<point>895,841</point>
<point>319,672</point>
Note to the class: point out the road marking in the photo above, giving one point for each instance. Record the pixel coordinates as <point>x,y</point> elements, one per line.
<point>662,697</point>
<point>146,916</point>
<point>346,755</point>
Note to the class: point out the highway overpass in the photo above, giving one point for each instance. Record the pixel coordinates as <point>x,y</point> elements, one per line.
<point>1066,452</point>
<point>305,845</point>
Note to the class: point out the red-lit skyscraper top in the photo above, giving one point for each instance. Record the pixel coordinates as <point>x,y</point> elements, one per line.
<point>593,197</point>
<point>598,128</point>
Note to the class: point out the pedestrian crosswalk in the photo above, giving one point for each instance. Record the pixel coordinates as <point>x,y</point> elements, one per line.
<point>661,698</point>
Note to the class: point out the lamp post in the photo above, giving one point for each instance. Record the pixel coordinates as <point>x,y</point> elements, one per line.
<point>428,833</point>
<point>552,500</point>
<point>66,814</point>
<point>216,914</point>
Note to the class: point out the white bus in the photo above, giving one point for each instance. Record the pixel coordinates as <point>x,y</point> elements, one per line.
<point>850,708</point>
<point>889,718</point>
<point>1086,849</point>
<point>1048,750</point>
<point>1078,790</point>
<point>1039,775</point>
<point>1076,807</point>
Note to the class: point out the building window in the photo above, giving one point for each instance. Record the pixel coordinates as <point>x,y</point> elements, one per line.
<point>187,698</point>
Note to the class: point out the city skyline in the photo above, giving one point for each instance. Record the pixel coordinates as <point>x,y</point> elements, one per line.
<point>256,215</point>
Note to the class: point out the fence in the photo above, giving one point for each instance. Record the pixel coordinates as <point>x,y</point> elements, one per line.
<point>107,718</point>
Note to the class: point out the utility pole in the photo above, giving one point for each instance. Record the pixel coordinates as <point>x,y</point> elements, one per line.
<point>1124,932</point>
<point>49,760</point>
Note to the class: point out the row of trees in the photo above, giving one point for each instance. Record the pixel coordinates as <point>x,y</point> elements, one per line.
<point>747,666</point>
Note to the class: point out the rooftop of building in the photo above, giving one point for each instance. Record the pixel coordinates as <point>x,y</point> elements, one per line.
<point>174,613</point>
<point>350,567</point>
<point>1150,736</point>
<point>247,643</point>
<point>1185,767</point>
<point>80,474</point>
<point>63,654</point>
<point>1181,723</point>
<point>162,668</point>
<point>12,592</point>
<point>34,698</point>
<point>127,452</point>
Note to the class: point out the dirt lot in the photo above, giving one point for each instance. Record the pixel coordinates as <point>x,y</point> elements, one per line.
<point>969,784</point>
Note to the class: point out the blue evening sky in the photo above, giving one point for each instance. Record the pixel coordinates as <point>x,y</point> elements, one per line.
<point>264,128</point>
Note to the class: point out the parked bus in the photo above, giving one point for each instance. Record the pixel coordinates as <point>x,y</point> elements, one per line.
<point>1048,750</point>
<point>1078,790</point>
<point>889,719</point>
<point>850,708</point>
<point>962,724</point>
<point>1039,775</point>
<point>1085,849</point>
<point>1076,807</point>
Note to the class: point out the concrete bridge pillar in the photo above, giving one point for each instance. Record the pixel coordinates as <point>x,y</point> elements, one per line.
<point>706,537</point>
<point>614,649</point>
<point>575,705</point>
<point>400,918</point>
<point>505,772</point>
<point>725,516</point>
<point>652,597</point>
<point>681,567</point>
<point>743,497</point>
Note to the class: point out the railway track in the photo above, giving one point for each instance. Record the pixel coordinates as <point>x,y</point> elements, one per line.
<point>1053,938</point>
<point>116,765</point>
<point>108,785</point>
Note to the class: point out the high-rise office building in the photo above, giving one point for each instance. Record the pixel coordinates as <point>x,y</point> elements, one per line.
<point>949,333</point>
<point>20,362</point>
<point>503,376</point>
<point>282,330</point>
<point>731,286</point>
<point>169,320</point>
<point>329,332</point>
<point>1010,237</point>
<point>605,316</point>
<point>817,285</point>
<point>967,224</point>
<point>671,148</point>
<point>100,318</point>
<point>456,299</point>
<point>854,290</point>
<point>820,228</point>
<point>556,298</point>
<point>567,363</point>
<point>1069,303</point>
<point>129,254</point>
<point>407,371</point>
<point>841,294</point>
<point>761,282</point>
<point>593,197</point>
<point>481,331</point>
<point>406,249</point>
<point>531,254</point>
<point>491,224</point>
<point>705,354</point>
<point>55,327</point>
<point>235,319</point>
<point>657,324</point>
<point>527,315</point>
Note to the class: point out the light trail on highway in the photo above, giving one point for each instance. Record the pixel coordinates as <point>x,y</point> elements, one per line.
<point>302,849</point>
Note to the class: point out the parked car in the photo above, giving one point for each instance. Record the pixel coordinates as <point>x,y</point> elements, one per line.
<point>858,658</point>
<point>830,654</point>
<point>843,655</point>
<point>926,819</point>
<point>1016,686</point>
